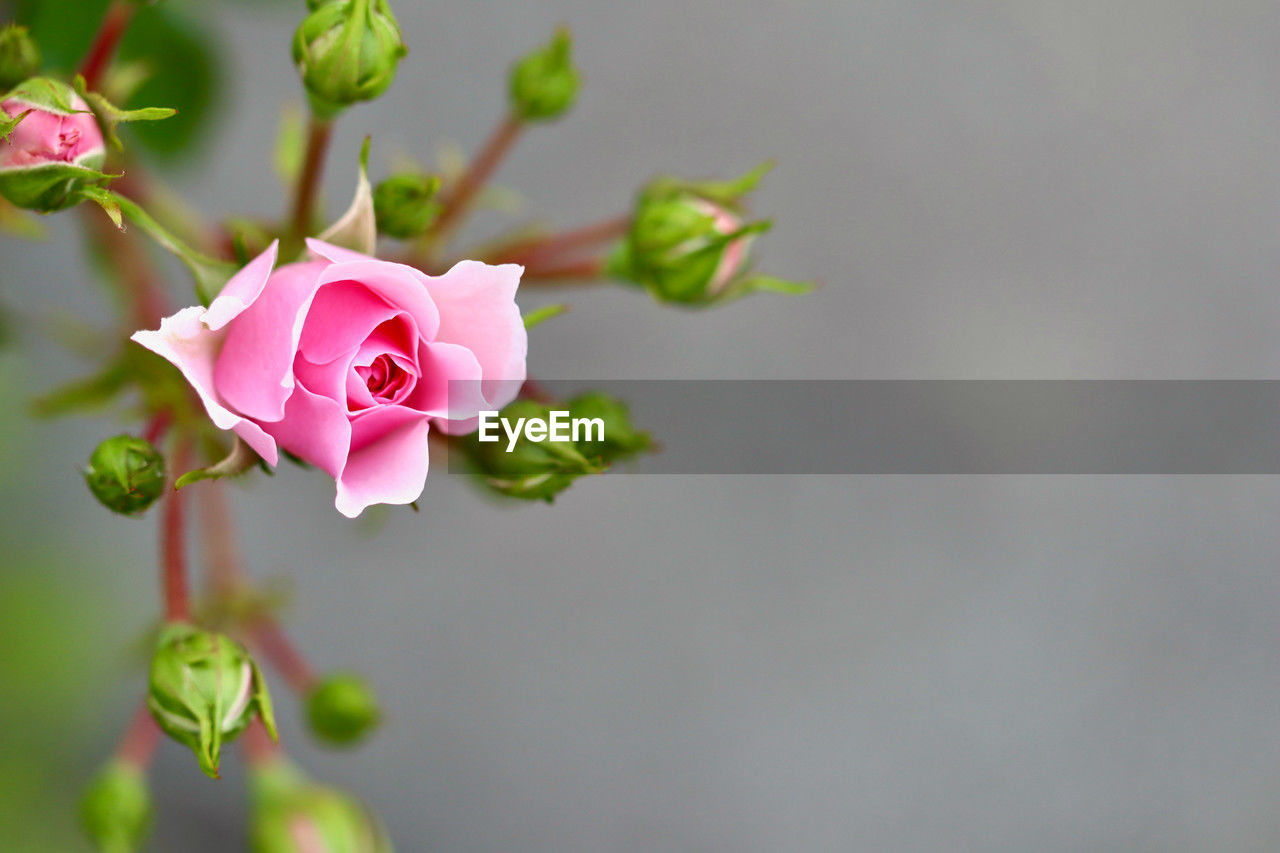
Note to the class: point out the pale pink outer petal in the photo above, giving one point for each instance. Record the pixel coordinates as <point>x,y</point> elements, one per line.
<point>193,349</point>
<point>243,289</point>
<point>390,468</point>
<point>254,371</point>
<point>478,311</point>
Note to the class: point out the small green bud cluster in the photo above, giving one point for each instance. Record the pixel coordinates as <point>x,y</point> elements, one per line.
<point>405,205</point>
<point>289,813</point>
<point>126,474</point>
<point>689,244</point>
<point>342,709</point>
<point>544,84</point>
<point>205,689</point>
<point>540,470</point>
<point>347,51</point>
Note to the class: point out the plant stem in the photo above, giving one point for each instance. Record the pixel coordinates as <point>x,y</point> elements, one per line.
<point>259,748</point>
<point>139,283</point>
<point>102,51</point>
<point>227,580</point>
<point>482,167</point>
<point>542,249</point>
<point>140,739</point>
<point>575,272</point>
<point>173,558</point>
<point>319,132</point>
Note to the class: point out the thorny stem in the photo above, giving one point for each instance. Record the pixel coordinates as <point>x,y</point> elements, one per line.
<point>177,604</point>
<point>486,162</point>
<point>102,51</point>
<point>319,132</point>
<point>227,579</point>
<point>543,249</point>
<point>140,739</point>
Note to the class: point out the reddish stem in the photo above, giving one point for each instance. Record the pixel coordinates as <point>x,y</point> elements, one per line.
<point>102,51</point>
<point>486,162</point>
<point>139,742</point>
<point>542,249</point>
<point>319,133</point>
<point>157,426</point>
<point>177,605</point>
<point>227,580</point>
<point>575,272</point>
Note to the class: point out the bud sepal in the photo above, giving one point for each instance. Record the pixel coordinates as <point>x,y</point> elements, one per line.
<point>126,474</point>
<point>544,84</point>
<point>116,809</point>
<point>347,51</point>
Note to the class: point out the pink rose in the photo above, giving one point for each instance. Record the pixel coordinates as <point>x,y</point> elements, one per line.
<point>345,360</point>
<point>47,135</point>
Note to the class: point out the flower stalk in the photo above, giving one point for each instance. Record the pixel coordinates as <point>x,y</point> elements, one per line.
<point>462,195</point>
<point>173,558</point>
<point>319,133</point>
<point>112,29</point>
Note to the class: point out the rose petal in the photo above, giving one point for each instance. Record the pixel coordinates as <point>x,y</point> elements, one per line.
<point>398,284</point>
<point>193,348</point>
<point>314,428</point>
<point>334,254</point>
<point>342,315</point>
<point>390,466</point>
<point>254,371</point>
<point>243,289</point>
<point>449,386</point>
<point>478,311</point>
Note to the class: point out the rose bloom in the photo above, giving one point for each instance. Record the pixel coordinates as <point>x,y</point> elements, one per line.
<point>346,361</point>
<point>46,135</point>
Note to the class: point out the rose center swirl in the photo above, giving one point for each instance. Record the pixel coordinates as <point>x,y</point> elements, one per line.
<point>386,379</point>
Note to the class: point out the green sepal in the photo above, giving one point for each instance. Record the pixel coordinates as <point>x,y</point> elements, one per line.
<point>540,315</point>
<point>405,205</point>
<point>621,439</point>
<point>50,187</point>
<point>544,84</point>
<point>8,124</point>
<point>727,193</point>
<point>45,93</point>
<point>110,115</point>
<point>239,460</point>
<point>126,474</point>
<point>357,229</point>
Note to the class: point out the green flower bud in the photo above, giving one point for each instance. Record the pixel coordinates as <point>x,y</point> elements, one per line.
<point>19,56</point>
<point>621,440</point>
<point>292,814</point>
<point>205,690</point>
<point>51,147</point>
<point>347,51</point>
<point>126,474</point>
<point>544,84</point>
<point>531,470</point>
<point>342,709</point>
<point>116,808</point>
<point>405,205</point>
<point>689,244</point>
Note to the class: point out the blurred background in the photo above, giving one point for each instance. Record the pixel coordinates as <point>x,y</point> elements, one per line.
<point>987,189</point>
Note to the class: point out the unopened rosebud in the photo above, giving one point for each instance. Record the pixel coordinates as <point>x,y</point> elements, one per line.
<point>291,814</point>
<point>347,51</point>
<point>544,84</point>
<point>532,470</point>
<point>618,438</point>
<point>50,146</point>
<point>116,808</point>
<point>19,56</point>
<point>126,474</point>
<point>405,205</point>
<point>689,243</point>
<point>205,689</point>
<point>342,709</point>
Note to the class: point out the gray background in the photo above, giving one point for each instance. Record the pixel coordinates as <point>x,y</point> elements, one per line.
<point>987,189</point>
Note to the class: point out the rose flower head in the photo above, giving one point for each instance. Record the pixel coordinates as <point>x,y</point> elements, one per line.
<point>346,362</point>
<point>50,145</point>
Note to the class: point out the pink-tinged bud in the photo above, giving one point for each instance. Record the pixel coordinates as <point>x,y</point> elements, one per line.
<point>735,254</point>
<point>53,150</point>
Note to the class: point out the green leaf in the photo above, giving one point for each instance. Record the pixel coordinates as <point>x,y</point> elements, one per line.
<point>111,115</point>
<point>90,394</point>
<point>541,315</point>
